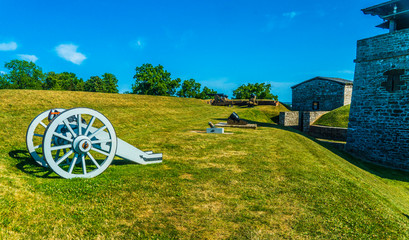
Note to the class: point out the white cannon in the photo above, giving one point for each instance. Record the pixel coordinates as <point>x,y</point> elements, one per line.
<point>79,143</point>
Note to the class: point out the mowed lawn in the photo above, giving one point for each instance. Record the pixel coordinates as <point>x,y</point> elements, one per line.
<point>336,118</point>
<point>269,183</point>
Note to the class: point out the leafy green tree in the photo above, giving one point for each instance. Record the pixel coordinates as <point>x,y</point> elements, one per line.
<point>24,75</point>
<point>4,83</point>
<point>190,89</point>
<point>261,90</point>
<point>94,84</point>
<point>205,92</point>
<point>52,81</point>
<point>63,81</point>
<point>150,80</point>
<point>110,83</point>
<point>69,81</point>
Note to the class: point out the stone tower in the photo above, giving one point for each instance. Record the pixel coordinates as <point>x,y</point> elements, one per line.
<point>379,117</point>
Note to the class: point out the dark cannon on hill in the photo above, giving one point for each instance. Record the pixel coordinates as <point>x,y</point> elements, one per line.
<point>234,119</point>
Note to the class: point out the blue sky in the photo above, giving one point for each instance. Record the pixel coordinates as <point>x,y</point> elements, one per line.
<point>221,44</point>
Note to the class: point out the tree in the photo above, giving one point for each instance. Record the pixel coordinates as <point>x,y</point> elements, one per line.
<point>151,80</point>
<point>24,75</point>
<point>69,81</point>
<point>110,83</point>
<point>4,83</point>
<point>205,92</point>
<point>52,81</point>
<point>63,81</point>
<point>94,84</point>
<point>261,90</point>
<point>190,89</point>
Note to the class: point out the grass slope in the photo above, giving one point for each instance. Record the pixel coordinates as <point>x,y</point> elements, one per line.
<point>267,183</point>
<point>336,118</point>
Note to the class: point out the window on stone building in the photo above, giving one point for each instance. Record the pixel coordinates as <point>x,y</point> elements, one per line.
<point>315,106</point>
<point>394,82</point>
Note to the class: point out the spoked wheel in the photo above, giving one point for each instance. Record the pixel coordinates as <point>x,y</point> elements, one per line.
<point>79,143</point>
<point>35,134</point>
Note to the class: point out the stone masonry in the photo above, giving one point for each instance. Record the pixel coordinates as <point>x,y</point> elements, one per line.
<point>309,118</point>
<point>325,132</point>
<point>299,120</point>
<point>289,119</point>
<point>379,116</point>
<point>321,94</point>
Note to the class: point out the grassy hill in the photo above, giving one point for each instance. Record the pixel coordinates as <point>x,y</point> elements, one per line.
<point>336,118</point>
<point>267,183</point>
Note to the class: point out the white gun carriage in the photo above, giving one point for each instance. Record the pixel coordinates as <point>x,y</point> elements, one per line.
<point>79,143</point>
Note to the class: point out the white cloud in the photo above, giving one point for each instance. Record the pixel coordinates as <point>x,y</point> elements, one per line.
<point>346,72</point>
<point>3,72</point>
<point>138,44</point>
<point>30,58</point>
<point>279,22</point>
<point>69,53</point>
<point>11,46</point>
<point>291,15</point>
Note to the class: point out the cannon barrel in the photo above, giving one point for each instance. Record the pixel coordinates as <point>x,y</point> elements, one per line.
<point>234,117</point>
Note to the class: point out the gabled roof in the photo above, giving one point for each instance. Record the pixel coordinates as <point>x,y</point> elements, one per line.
<point>337,80</point>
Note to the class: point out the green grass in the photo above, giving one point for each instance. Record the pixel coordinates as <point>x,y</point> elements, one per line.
<point>269,183</point>
<point>336,118</point>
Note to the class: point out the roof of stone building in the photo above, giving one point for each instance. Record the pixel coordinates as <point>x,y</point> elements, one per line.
<point>337,80</point>
<point>396,10</point>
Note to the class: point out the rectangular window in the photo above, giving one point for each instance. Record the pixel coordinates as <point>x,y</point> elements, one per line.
<point>315,106</point>
<point>393,81</point>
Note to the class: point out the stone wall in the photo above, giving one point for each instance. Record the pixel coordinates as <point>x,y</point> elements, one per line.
<point>289,119</point>
<point>328,94</point>
<point>300,120</point>
<point>347,94</point>
<point>309,118</point>
<point>325,132</point>
<point>379,116</point>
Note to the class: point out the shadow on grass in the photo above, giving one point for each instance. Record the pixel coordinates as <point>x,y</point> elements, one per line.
<point>262,124</point>
<point>259,124</point>
<point>27,164</point>
<point>378,170</point>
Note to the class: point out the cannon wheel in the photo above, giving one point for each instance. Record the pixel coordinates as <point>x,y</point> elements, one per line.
<point>33,135</point>
<point>80,133</point>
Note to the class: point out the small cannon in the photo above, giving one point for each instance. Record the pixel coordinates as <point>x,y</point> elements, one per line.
<point>253,100</point>
<point>79,143</point>
<point>220,99</point>
<point>234,119</point>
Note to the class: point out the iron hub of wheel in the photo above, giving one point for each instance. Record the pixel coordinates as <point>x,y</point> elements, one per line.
<point>82,144</point>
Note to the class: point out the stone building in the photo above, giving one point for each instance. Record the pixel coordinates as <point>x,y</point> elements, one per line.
<point>321,94</point>
<point>379,117</point>
<point>313,98</point>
